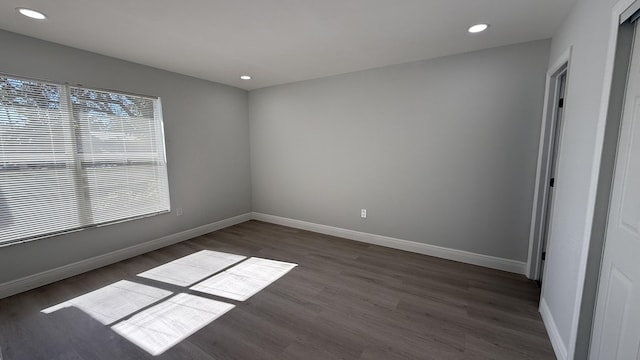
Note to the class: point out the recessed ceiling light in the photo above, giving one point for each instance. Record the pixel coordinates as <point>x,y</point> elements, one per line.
<point>478,28</point>
<point>32,13</point>
<point>245,77</point>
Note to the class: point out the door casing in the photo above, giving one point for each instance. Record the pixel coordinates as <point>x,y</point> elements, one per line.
<point>550,139</point>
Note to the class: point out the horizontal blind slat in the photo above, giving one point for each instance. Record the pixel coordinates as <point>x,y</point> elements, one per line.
<point>74,157</point>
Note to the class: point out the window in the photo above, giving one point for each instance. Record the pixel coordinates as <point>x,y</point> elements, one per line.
<point>73,157</point>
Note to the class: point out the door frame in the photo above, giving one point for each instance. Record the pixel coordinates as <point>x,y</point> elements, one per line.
<point>610,166</point>
<point>624,48</point>
<point>549,132</point>
<point>625,52</point>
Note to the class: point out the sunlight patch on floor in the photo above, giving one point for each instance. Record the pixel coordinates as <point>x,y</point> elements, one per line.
<point>147,317</point>
<point>245,279</point>
<point>114,302</point>
<point>192,268</point>
<point>162,326</point>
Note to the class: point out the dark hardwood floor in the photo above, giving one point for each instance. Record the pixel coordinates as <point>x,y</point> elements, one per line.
<point>345,300</point>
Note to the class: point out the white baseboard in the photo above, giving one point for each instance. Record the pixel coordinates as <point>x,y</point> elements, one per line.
<point>53,275</point>
<point>63,272</point>
<point>493,262</point>
<point>556,341</point>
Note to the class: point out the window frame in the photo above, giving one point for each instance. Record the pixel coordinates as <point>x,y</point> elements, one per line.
<point>77,158</point>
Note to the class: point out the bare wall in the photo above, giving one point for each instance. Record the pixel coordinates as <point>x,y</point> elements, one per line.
<point>207,140</point>
<point>440,151</point>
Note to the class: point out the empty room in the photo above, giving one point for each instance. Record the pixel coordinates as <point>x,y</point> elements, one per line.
<point>311,179</point>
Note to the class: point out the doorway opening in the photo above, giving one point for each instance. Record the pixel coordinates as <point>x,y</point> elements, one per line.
<point>550,142</point>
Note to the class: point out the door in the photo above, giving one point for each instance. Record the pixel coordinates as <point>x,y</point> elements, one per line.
<point>616,329</point>
<point>560,82</point>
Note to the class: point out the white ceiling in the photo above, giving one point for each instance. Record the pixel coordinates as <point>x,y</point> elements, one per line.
<point>281,41</point>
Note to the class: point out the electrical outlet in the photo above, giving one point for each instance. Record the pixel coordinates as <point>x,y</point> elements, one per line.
<point>179,211</point>
<point>363,213</point>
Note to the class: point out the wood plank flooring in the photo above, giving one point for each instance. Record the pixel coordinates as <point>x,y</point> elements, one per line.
<point>345,300</point>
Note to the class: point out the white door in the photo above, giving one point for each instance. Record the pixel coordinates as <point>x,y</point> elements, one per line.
<point>616,328</point>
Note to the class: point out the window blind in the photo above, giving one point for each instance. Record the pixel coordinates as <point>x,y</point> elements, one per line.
<point>73,157</point>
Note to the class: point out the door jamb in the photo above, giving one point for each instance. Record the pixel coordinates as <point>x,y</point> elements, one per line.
<point>543,170</point>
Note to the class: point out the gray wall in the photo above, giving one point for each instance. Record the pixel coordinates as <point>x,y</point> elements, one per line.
<point>441,151</point>
<point>207,141</point>
<point>587,31</point>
